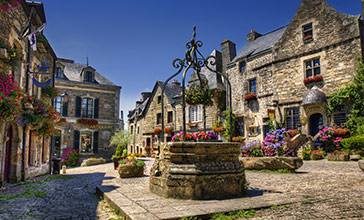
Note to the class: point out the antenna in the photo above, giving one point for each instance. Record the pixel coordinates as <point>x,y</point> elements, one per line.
<point>87,61</point>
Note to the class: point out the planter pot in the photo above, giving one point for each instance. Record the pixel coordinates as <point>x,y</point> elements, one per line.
<point>91,162</point>
<point>337,157</point>
<point>130,170</point>
<point>316,157</point>
<point>271,163</point>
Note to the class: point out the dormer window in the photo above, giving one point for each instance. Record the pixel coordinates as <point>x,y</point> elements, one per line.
<point>58,73</point>
<point>88,76</point>
<point>307,33</point>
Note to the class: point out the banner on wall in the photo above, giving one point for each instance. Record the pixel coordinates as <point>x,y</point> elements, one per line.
<point>42,84</point>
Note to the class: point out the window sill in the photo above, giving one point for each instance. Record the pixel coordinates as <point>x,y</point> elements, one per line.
<point>307,41</point>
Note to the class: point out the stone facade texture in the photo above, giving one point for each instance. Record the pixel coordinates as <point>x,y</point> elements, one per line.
<point>29,155</point>
<point>279,70</point>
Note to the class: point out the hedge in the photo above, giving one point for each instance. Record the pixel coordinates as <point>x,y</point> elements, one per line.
<point>353,143</point>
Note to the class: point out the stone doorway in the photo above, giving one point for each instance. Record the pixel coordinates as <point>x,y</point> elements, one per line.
<point>7,164</point>
<point>315,123</point>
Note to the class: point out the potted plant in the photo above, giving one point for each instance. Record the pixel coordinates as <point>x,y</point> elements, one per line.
<point>50,92</point>
<point>131,167</point>
<point>120,154</point>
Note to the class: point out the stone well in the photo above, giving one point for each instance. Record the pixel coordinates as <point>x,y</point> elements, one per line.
<point>198,170</point>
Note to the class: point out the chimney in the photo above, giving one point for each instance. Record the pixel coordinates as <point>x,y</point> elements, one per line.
<point>176,83</point>
<point>253,35</point>
<point>145,95</point>
<point>228,49</point>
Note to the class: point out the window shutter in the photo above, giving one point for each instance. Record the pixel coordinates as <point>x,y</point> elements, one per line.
<point>96,108</point>
<point>96,142</point>
<point>76,139</point>
<point>187,111</point>
<point>78,106</point>
<point>65,109</point>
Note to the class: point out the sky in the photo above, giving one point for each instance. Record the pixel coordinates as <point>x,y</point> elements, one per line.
<point>133,42</point>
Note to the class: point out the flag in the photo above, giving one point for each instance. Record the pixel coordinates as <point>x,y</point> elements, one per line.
<point>32,37</point>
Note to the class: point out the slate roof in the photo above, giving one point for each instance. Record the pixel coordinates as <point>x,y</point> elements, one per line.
<point>314,96</point>
<point>72,72</point>
<point>214,80</point>
<point>261,44</point>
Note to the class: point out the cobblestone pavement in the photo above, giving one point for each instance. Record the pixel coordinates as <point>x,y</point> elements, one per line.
<point>334,190</point>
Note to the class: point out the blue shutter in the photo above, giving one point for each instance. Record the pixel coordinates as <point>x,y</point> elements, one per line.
<point>96,109</point>
<point>65,109</point>
<point>96,142</point>
<point>78,106</point>
<point>76,139</point>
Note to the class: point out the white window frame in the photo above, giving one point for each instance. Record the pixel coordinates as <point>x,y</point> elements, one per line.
<point>196,113</point>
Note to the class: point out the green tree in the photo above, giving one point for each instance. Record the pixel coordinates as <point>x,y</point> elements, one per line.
<point>121,138</point>
<point>352,96</point>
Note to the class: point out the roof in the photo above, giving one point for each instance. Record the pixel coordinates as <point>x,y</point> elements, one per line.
<point>72,72</point>
<point>261,44</point>
<point>314,96</point>
<point>214,80</point>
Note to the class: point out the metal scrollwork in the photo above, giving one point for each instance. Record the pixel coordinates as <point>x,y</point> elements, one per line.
<point>195,60</point>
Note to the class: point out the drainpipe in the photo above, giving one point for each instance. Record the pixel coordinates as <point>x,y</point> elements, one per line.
<point>52,138</point>
<point>26,90</point>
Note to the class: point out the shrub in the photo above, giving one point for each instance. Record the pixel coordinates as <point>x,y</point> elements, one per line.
<point>132,160</point>
<point>306,153</point>
<point>354,143</point>
<point>70,157</point>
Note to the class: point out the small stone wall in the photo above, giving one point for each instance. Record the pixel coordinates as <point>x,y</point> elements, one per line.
<point>271,163</point>
<point>191,170</point>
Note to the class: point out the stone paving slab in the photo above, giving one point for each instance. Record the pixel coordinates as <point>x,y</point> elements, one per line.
<point>134,200</point>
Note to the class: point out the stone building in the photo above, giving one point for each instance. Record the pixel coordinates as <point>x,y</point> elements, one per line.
<point>292,69</point>
<point>146,117</point>
<point>23,154</point>
<point>86,97</point>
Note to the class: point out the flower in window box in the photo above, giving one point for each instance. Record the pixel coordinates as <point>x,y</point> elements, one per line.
<point>192,124</point>
<point>179,137</point>
<point>88,122</point>
<point>238,139</point>
<point>157,131</point>
<point>168,129</point>
<point>316,78</point>
<point>307,37</point>
<point>250,96</point>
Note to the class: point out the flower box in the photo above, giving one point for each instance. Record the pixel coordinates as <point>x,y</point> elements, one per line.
<point>88,122</point>
<point>130,170</point>
<point>309,80</point>
<point>250,96</point>
<point>168,129</point>
<point>157,131</point>
<point>192,124</point>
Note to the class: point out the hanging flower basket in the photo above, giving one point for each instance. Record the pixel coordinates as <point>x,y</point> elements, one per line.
<point>221,128</point>
<point>168,129</point>
<point>88,122</point>
<point>250,96</point>
<point>157,131</point>
<point>15,57</point>
<point>61,121</point>
<point>195,95</point>
<point>50,92</point>
<point>309,80</point>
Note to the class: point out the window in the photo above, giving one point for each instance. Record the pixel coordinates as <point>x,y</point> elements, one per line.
<point>138,130</point>
<point>196,113</point>
<point>58,73</point>
<point>170,117</point>
<point>58,104</point>
<point>159,99</point>
<point>340,115</point>
<point>87,105</point>
<point>313,68</point>
<point>292,118</point>
<point>86,141</point>
<point>159,118</point>
<point>253,86</point>
<point>307,33</point>
<point>242,66</point>
<point>131,129</point>
<point>88,76</point>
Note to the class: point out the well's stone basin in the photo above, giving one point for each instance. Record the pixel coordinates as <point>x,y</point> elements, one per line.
<point>198,170</point>
<point>271,163</point>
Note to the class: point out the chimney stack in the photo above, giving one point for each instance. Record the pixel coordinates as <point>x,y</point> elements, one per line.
<point>228,49</point>
<point>253,35</point>
<point>145,95</point>
<point>176,83</point>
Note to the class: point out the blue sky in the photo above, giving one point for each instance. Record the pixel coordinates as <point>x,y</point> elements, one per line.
<point>133,42</point>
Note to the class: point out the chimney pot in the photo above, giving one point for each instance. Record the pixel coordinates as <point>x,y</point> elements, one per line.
<point>253,35</point>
